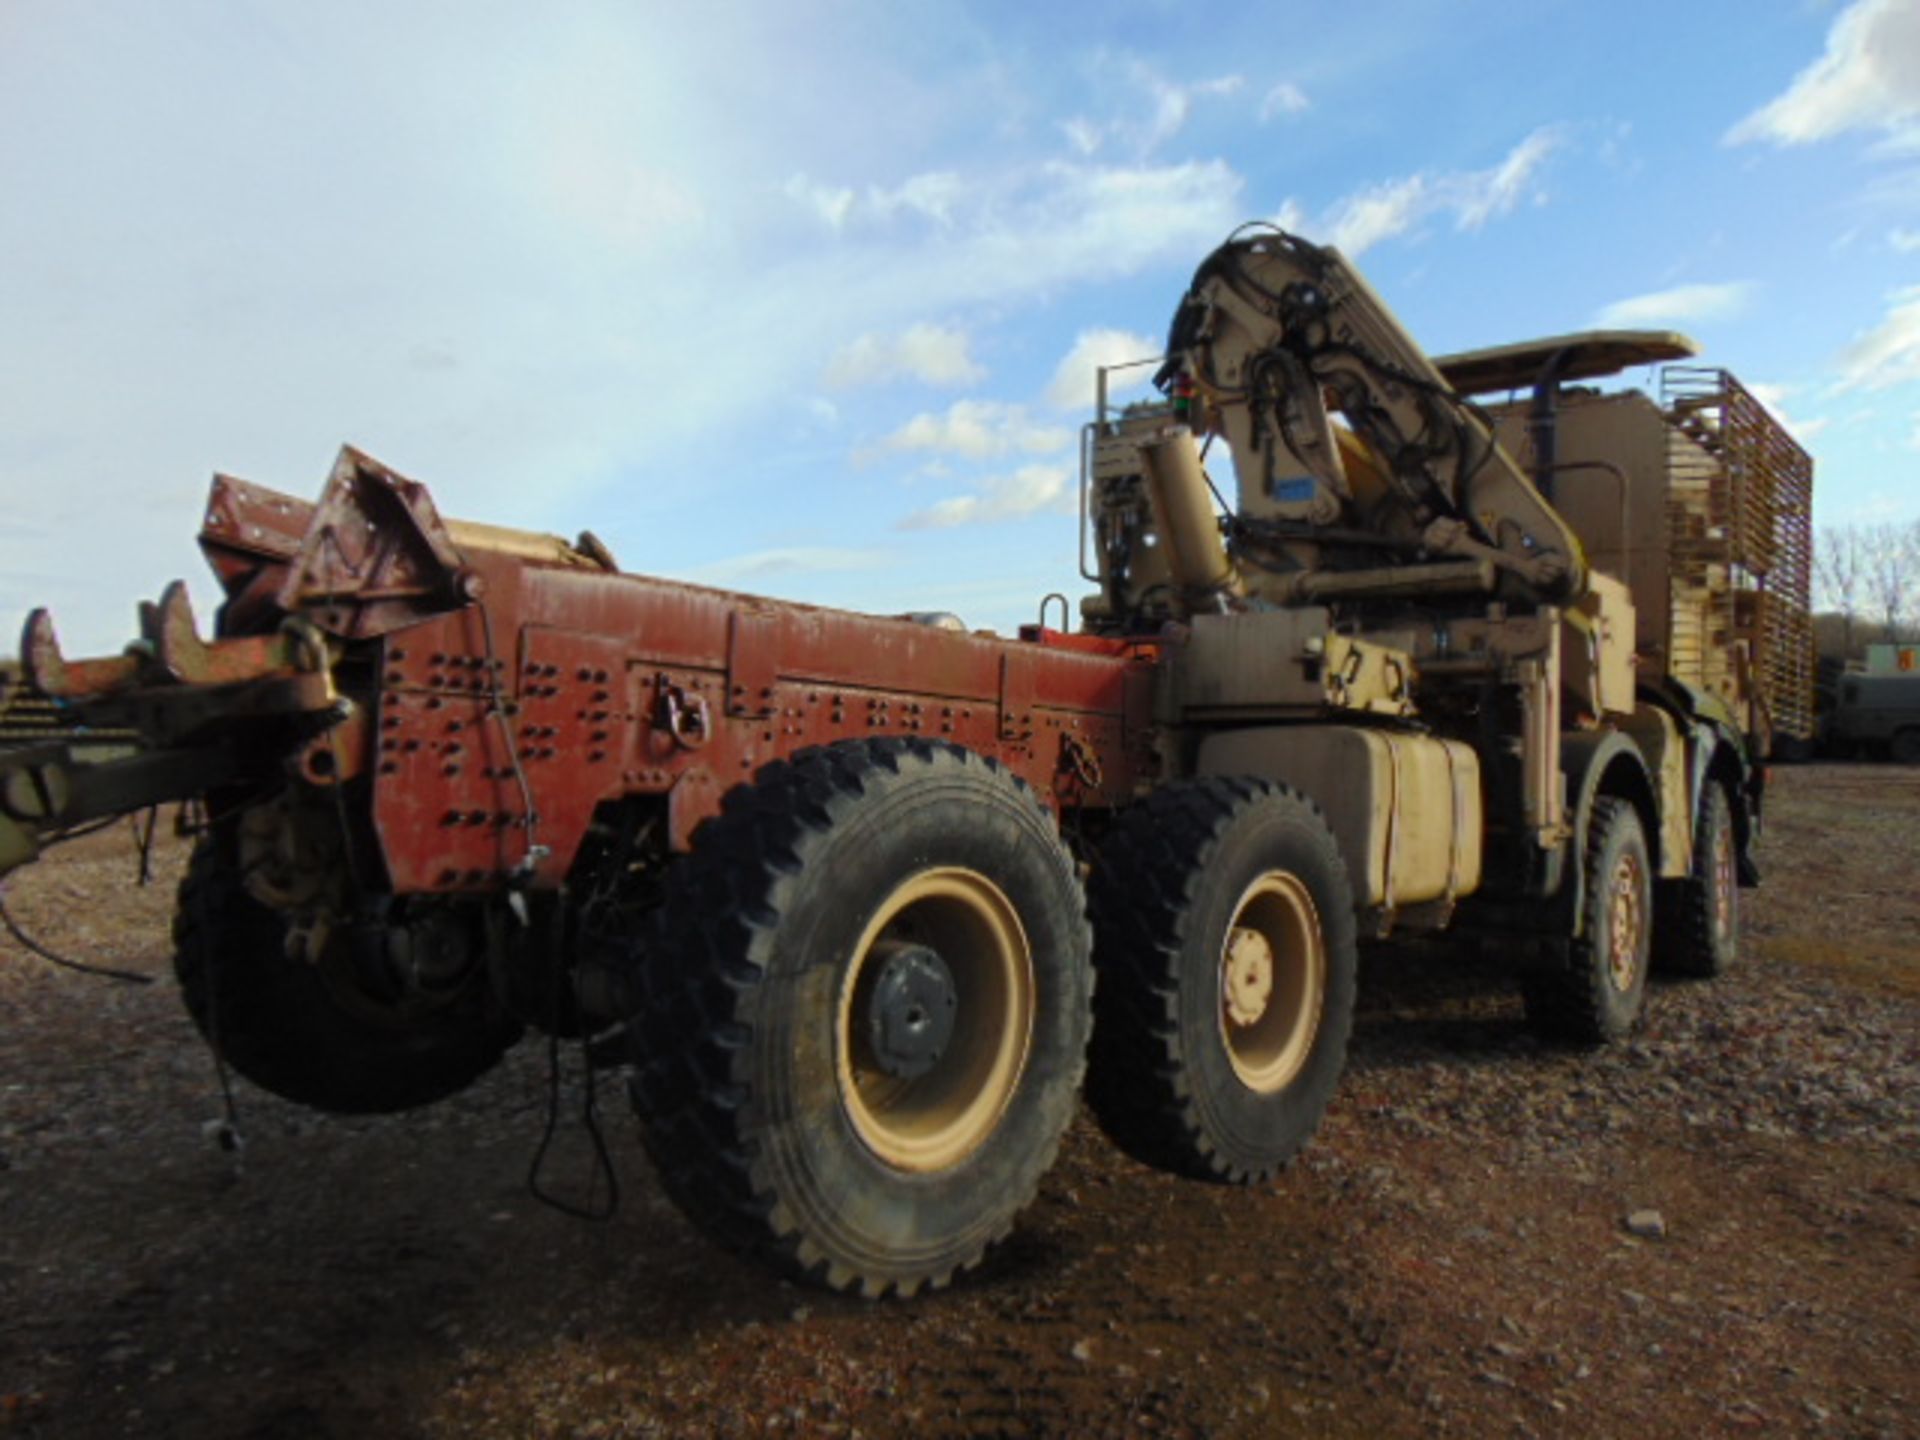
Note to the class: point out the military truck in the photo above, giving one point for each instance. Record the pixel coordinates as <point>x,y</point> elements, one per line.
<point>815,879</point>
<point>1876,715</point>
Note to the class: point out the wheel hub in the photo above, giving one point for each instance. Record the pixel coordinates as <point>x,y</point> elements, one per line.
<point>1273,981</point>
<point>1249,975</point>
<point>936,1019</point>
<point>1624,921</point>
<point>911,1013</point>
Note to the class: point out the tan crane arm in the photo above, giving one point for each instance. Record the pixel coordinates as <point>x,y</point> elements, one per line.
<point>1273,340</point>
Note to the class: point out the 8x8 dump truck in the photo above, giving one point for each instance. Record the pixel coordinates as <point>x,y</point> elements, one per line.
<point>836,888</point>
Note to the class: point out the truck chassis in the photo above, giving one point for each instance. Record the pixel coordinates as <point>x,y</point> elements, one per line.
<point>835,889</point>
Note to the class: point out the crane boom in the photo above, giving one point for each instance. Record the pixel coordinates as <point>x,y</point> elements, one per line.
<point>1345,437</point>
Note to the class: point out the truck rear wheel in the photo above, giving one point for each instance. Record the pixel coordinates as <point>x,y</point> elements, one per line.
<point>296,1029</point>
<point>1904,747</point>
<point>1697,920</point>
<point>865,1014</point>
<point>1224,942</point>
<point>1590,989</point>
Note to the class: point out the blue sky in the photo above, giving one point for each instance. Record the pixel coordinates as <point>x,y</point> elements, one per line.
<point>804,299</point>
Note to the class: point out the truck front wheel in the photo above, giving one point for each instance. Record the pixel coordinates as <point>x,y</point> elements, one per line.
<point>1590,989</point>
<point>865,1014</point>
<point>1224,942</point>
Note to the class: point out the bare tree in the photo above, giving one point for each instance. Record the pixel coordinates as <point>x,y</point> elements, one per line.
<point>1891,559</point>
<point>1910,567</point>
<point>1839,570</point>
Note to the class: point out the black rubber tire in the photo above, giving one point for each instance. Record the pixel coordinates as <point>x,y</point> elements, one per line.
<point>1904,747</point>
<point>1165,890</point>
<point>279,1024</point>
<point>738,1045</point>
<point>1697,920</point>
<point>1573,994</point>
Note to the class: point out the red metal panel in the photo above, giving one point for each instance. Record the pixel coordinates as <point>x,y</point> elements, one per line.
<point>376,554</point>
<point>753,661</point>
<point>1016,694</point>
<point>627,686</point>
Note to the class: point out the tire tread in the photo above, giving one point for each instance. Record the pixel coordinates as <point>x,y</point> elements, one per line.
<point>1567,995</point>
<point>1142,897</point>
<point>702,972</point>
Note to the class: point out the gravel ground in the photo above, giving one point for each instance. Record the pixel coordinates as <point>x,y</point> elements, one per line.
<point>1453,1255</point>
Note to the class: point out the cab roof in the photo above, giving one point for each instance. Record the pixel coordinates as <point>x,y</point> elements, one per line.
<point>1586,355</point>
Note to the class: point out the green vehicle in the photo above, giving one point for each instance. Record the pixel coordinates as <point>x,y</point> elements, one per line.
<point>1877,715</point>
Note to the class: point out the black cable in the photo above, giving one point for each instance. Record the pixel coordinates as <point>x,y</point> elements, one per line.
<point>143,843</point>
<point>589,1116</point>
<point>556,1007</point>
<point>603,1158</point>
<point>104,972</point>
<point>227,1135</point>
<point>534,852</point>
<point>1218,498</point>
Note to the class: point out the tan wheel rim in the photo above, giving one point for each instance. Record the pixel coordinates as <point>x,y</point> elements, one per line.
<point>1724,879</point>
<point>933,1120</point>
<point>1273,982</point>
<point>1625,919</point>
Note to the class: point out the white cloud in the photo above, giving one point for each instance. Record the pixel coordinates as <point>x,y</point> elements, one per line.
<point>1869,78</point>
<point>1367,217</point>
<point>1681,305</point>
<point>978,430</point>
<point>1023,229</point>
<point>1905,241</point>
<point>1173,104</point>
<point>1073,385</point>
<point>1774,397</point>
<point>1144,127</point>
<point>935,354</point>
<point>1478,197</point>
<point>1030,490</point>
<point>832,203</point>
<point>1286,98</point>
<point>1888,354</point>
<point>760,565</point>
<point>1112,220</point>
<point>933,195</point>
<point>630,203</point>
<point>1392,207</point>
<point>1082,134</point>
<point>1613,152</point>
<point>1037,228</point>
<point>514,326</point>
<point>1902,142</point>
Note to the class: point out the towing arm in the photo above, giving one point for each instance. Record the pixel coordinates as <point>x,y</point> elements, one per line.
<point>207,716</point>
